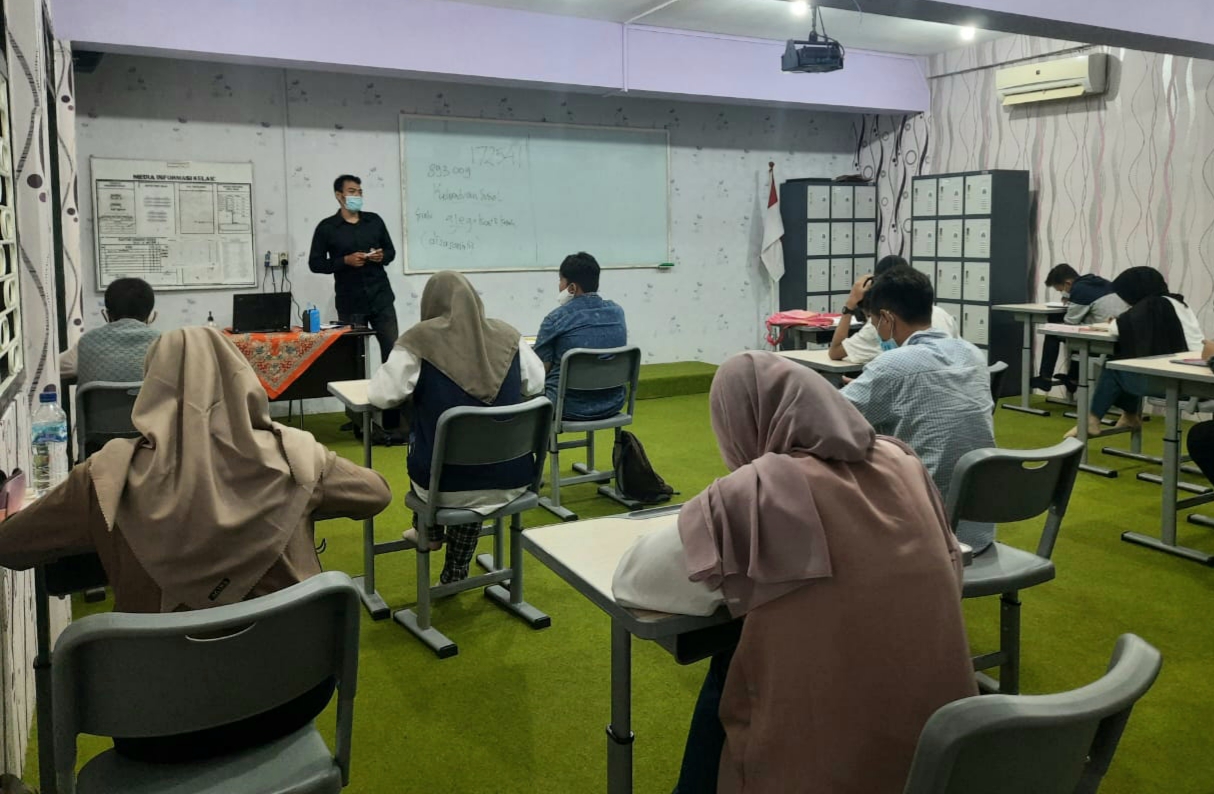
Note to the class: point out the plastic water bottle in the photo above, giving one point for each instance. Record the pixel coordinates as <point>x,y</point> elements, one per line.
<point>49,443</point>
<point>210,320</point>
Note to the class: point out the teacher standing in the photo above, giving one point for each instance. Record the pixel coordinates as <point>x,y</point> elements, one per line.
<point>355,247</point>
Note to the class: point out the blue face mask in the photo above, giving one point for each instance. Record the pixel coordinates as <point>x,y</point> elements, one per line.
<point>888,344</point>
<point>354,203</point>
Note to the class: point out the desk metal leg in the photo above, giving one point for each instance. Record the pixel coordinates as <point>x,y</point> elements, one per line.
<point>1026,371</point>
<point>1171,476</point>
<point>372,600</point>
<point>619,732</point>
<point>1083,404</point>
<point>42,685</point>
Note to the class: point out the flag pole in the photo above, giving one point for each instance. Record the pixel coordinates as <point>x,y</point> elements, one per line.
<point>775,284</point>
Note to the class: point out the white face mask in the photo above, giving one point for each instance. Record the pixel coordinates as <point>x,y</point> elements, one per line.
<point>563,297</point>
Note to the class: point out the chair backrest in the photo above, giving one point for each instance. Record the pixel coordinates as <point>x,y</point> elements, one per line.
<point>1002,485</point>
<point>591,370</point>
<point>103,412</point>
<point>474,436</point>
<point>144,675</point>
<point>998,371</point>
<point>1046,744</point>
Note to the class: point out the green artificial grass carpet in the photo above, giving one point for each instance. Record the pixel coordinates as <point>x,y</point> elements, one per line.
<point>524,711</point>
<point>675,379</point>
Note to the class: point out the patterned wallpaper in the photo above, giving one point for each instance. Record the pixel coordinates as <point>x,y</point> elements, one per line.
<point>1118,180</point>
<point>27,70</point>
<point>301,129</point>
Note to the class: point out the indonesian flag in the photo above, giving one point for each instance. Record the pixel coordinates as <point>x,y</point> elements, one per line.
<point>772,252</point>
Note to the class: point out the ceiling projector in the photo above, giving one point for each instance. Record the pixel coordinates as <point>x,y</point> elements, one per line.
<point>818,53</point>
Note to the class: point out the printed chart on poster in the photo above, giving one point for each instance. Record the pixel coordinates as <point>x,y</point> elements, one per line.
<point>177,225</point>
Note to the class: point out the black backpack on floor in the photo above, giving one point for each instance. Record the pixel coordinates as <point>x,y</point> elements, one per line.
<point>635,478</point>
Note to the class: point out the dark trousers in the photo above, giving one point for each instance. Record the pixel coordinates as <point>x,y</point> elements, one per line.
<point>383,323</point>
<point>243,735</point>
<point>1123,389</point>
<point>1050,348</point>
<point>706,737</point>
<point>1201,447</point>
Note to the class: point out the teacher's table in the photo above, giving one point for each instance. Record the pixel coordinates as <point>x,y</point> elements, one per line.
<point>821,361</point>
<point>296,365</point>
<point>585,554</point>
<point>353,395</point>
<point>1164,374</point>
<point>1087,343</point>
<point>1029,314</point>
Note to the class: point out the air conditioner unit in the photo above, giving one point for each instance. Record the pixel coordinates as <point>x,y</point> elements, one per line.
<point>1062,79</point>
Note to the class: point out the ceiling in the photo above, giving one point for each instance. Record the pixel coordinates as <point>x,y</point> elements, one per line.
<point>764,19</point>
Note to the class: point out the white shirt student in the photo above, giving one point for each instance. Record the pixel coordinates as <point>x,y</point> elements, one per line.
<point>865,345</point>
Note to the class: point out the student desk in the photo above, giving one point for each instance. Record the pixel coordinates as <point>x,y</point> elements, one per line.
<point>1087,344</point>
<point>820,361</point>
<point>808,334</point>
<point>585,554</point>
<point>353,395</point>
<point>1172,379</point>
<point>1029,314</point>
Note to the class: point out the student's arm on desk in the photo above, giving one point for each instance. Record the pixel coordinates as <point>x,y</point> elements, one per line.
<point>393,382</point>
<point>652,575</point>
<point>68,360</point>
<point>1076,313</point>
<point>350,490</point>
<point>57,525</point>
<point>1207,349</point>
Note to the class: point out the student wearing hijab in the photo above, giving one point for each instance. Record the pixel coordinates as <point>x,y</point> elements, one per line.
<point>456,356</point>
<point>1158,322</point>
<point>833,543</point>
<point>211,505</point>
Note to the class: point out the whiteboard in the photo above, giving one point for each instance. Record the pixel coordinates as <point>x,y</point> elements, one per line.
<point>177,225</point>
<point>501,195</point>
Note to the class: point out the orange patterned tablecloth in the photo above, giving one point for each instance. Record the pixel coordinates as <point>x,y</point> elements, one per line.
<point>280,358</point>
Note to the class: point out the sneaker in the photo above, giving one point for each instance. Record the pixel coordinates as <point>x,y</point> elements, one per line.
<point>1041,384</point>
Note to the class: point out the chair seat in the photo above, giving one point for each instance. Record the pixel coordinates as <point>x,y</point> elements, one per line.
<point>452,516</point>
<point>1002,569</point>
<point>296,764</point>
<point>585,426</point>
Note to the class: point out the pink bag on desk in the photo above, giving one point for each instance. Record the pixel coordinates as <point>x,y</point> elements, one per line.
<point>780,322</point>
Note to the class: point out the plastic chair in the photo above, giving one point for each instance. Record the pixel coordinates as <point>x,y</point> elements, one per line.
<point>997,372</point>
<point>472,436</point>
<point>103,413</point>
<point>142,675</point>
<point>1045,744</point>
<point>591,370</point>
<point>1000,486</point>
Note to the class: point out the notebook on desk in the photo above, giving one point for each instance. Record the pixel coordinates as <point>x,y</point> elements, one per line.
<point>261,312</point>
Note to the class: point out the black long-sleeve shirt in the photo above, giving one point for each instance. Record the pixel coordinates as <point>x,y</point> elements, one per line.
<point>360,290</point>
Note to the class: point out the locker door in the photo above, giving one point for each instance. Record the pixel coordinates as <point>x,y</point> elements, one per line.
<point>818,202</point>
<point>866,202</point>
<point>977,282</point>
<point>948,281</point>
<point>974,324</point>
<point>841,198</point>
<point>864,240</point>
<point>927,268</point>
<point>841,277</point>
<point>817,241</point>
<point>817,278</point>
<point>840,239</point>
<point>923,240</point>
<point>817,303</point>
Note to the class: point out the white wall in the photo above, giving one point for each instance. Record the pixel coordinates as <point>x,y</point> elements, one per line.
<point>300,129</point>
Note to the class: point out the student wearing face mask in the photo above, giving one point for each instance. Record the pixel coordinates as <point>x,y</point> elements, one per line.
<point>354,246</point>
<point>929,391</point>
<point>115,351</point>
<point>1089,299</point>
<point>582,319</point>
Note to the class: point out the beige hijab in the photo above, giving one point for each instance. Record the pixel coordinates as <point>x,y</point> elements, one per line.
<point>455,337</point>
<point>789,438</point>
<point>208,497</point>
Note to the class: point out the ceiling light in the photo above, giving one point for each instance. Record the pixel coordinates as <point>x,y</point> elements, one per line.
<point>799,8</point>
<point>968,33</point>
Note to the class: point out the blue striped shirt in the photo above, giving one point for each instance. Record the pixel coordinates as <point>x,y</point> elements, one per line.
<point>934,394</point>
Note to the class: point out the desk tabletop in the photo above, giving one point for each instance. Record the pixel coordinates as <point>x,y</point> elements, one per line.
<point>821,361</point>
<point>1166,367</point>
<point>1031,308</point>
<point>1064,331</point>
<point>585,554</point>
<point>353,394</point>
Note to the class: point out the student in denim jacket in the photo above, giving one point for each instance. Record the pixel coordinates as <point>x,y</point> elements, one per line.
<point>583,319</point>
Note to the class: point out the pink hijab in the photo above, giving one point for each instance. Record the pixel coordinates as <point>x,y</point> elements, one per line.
<point>759,533</point>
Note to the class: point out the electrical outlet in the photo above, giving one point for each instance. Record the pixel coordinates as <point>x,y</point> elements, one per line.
<point>283,260</point>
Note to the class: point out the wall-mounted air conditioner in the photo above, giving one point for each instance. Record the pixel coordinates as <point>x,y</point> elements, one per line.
<point>1062,79</point>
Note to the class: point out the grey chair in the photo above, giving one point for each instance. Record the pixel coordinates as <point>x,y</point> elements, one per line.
<point>1045,744</point>
<point>591,370</point>
<point>103,413</point>
<point>997,371</point>
<point>471,436</point>
<point>141,675</point>
<point>1000,486</point>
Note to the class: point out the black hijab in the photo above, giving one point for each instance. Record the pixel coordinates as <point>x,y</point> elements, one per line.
<point>1137,283</point>
<point>1150,326</point>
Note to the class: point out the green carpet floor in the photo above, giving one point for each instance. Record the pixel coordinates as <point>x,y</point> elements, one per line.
<point>674,379</point>
<point>524,711</point>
